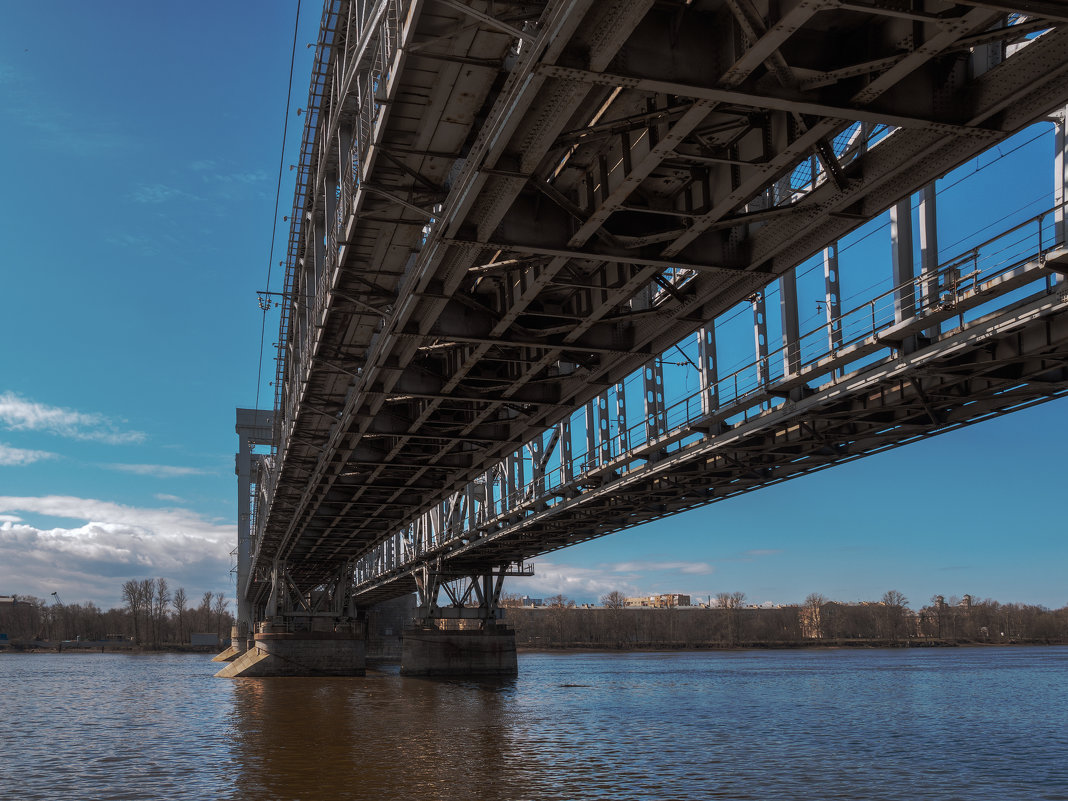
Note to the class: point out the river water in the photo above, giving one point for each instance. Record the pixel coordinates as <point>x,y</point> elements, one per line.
<point>954,723</point>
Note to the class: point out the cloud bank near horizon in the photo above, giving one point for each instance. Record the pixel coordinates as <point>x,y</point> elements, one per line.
<point>109,544</point>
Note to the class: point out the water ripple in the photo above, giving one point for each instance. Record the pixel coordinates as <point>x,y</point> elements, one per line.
<point>932,725</point>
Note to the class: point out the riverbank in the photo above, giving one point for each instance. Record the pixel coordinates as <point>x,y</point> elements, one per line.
<point>780,646</point>
<point>100,646</point>
<point>836,625</point>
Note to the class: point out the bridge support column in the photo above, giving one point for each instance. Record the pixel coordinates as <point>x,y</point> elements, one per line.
<point>300,653</point>
<point>309,631</point>
<point>253,427</point>
<point>239,643</point>
<point>464,638</point>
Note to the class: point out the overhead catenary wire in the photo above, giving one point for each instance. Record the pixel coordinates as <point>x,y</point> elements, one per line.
<point>277,195</point>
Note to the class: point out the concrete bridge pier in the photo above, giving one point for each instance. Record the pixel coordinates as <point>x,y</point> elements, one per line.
<point>461,638</point>
<point>239,643</point>
<point>305,632</point>
<point>485,651</point>
<point>300,653</point>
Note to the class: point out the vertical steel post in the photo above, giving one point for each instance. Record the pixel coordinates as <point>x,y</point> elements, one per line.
<point>929,254</point>
<point>604,431</point>
<point>344,140</point>
<point>331,189</point>
<point>520,473</point>
<point>537,448</point>
<point>833,297</point>
<point>791,327</point>
<point>566,471</point>
<point>653,381</point>
<point>621,417</point>
<point>318,230</point>
<point>1060,177</point>
<point>434,521</point>
<point>509,481</point>
<point>901,256</point>
<point>591,436</point>
<point>760,336</point>
<point>706,355</point>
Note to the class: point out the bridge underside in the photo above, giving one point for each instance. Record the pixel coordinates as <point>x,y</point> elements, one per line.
<point>997,364</point>
<point>506,208</point>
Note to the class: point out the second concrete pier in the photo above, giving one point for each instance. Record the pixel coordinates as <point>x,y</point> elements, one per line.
<point>489,651</point>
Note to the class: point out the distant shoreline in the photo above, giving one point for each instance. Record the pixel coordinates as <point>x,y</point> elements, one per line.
<point>104,648</point>
<point>571,647</point>
<point>783,646</point>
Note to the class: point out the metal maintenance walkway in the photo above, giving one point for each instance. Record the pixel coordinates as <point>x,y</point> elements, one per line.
<point>508,212</point>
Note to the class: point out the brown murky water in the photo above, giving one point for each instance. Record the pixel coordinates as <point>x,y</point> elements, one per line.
<point>919,724</point>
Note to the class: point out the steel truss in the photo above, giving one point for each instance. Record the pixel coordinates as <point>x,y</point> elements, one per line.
<point>504,209</point>
<point>326,606</point>
<point>988,364</point>
<point>471,597</point>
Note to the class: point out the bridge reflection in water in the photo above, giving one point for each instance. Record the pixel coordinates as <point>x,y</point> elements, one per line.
<point>515,235</point>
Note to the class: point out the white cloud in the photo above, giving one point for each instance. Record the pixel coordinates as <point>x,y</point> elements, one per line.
<point>109,544</point>
<point>19,414</point>
<point>158,470</point>
<point>153,194</point>
<point>571,580</point>
<point>163,496</point>
<point>586,584</point>
<point>10,456</point>
<point>693,568</point>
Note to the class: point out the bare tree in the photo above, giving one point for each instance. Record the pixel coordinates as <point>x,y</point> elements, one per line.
<point>614,600</point>
<point>203,616</point>
<point>219,608</point>
<point>732,602</point>
<point>895,605</point>
<point>160,601</point>
<point>179,602</point>
<point>812,626</point>
<point>137,594</point>
<point>561,601</point>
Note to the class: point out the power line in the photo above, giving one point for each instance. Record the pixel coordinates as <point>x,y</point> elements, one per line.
<point>277,195</point>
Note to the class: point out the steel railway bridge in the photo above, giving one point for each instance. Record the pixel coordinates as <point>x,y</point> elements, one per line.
<point>507,213</point>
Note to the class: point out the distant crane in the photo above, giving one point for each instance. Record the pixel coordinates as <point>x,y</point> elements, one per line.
<point>57,599</point>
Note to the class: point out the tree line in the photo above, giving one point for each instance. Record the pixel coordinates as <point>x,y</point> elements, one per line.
<point>730,622</point>
<point>152,617</point>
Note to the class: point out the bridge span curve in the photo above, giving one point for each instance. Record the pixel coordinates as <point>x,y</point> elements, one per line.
<point>507,213</point>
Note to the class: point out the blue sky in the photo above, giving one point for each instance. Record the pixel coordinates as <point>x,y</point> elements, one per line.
<point>141,148</point>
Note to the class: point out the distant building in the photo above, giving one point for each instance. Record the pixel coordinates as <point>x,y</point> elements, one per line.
<point>527,602</point>
<point>664,601</point>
